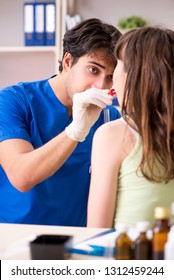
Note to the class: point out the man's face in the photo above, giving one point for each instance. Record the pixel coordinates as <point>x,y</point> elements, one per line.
<point>94,70</point>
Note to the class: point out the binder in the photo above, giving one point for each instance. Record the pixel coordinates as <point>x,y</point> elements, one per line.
<point>39,18</point>
<point>50,23</point>
<point>28,24</point>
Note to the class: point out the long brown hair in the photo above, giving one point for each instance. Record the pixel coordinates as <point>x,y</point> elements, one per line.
<point>148,57</point>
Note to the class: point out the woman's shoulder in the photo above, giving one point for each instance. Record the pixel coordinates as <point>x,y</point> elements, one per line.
<point>116,136</point>
<point>111,129</point>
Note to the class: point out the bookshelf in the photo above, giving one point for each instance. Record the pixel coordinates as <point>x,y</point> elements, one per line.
<point>18,62</point>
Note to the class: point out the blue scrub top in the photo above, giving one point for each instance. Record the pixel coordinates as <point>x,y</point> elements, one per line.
<point>32,112</point>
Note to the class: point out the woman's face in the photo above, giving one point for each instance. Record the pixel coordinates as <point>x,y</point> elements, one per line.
<point>119,80</point>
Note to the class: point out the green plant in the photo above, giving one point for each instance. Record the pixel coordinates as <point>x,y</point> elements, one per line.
<point>131,22</point>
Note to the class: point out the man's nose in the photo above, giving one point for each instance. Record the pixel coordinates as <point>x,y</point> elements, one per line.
<point>100,84</point>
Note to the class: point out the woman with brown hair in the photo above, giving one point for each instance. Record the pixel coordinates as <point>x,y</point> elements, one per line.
<point>133,158</point>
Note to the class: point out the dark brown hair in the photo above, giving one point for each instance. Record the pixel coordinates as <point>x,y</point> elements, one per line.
<point>88,36</point>
<point>148,57</point>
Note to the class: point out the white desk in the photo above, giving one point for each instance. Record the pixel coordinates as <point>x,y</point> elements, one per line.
<point>13,238</point>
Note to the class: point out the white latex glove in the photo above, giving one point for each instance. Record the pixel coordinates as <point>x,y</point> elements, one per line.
<point>87,106</point>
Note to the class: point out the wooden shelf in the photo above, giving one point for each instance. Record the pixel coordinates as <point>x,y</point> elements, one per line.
<point>26,63</point>
<point>27,49</point>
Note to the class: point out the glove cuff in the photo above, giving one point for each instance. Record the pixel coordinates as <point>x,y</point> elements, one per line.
<point>75,134</point>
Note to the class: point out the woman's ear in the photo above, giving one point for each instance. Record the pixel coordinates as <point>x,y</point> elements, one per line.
<point>67,61</point>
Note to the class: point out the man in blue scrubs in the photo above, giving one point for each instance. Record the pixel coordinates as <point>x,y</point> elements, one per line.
<point>46,131</point>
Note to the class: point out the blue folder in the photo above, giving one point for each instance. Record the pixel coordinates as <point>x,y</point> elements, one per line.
<point>50,23</point>
<point>39,24</point>
<point>28,24</point>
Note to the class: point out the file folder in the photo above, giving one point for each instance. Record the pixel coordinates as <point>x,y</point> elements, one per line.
<point>39,18</point>
<point>29,24</point>
<point>50,23</point>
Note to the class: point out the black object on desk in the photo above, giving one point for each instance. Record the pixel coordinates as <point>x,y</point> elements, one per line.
<point>51,247</point>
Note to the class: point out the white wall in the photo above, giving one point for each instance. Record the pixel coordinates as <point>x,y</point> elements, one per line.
<point>11,31</point>
<point>155,11</point>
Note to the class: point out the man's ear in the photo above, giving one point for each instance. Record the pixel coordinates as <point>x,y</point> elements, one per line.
<point>67,61</point>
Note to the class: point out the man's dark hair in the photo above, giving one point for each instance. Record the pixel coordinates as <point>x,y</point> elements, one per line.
<point>88,36</point>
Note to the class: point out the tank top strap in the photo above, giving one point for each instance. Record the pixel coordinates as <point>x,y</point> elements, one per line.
<point>135,133</point>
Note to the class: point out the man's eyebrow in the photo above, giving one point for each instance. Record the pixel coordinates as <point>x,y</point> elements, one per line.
<point>98,64</point>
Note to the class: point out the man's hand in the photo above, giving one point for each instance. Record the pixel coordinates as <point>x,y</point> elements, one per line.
<point>87,106</point>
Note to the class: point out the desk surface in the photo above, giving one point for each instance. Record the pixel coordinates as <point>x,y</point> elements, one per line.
<point>14,238</point>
